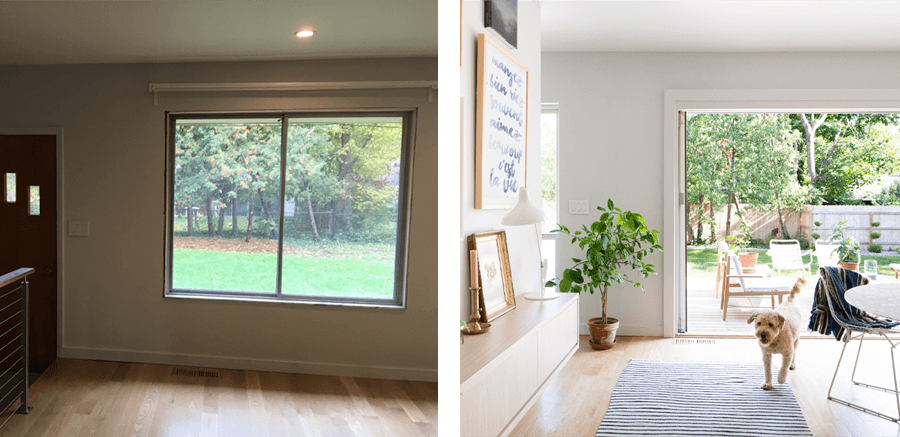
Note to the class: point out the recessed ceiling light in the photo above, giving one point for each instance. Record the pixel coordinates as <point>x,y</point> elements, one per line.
<point>305,33</point>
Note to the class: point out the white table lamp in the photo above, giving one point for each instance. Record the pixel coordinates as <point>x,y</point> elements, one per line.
<point>525,213</point>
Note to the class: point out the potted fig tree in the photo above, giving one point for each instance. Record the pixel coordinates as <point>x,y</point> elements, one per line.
<point>617,241</point>
<point>848,253</point>
<point>846,248</point>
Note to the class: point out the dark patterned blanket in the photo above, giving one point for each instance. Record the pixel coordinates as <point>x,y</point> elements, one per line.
<point>834,282</point>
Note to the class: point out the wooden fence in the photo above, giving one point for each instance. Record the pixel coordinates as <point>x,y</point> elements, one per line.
<point>765,225</point>
<point>859,219</point>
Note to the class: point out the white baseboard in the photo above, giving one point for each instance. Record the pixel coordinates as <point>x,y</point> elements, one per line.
<point>629,330</point>
<point>408,374</point>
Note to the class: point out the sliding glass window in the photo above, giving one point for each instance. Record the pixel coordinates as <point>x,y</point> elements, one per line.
<point>303,207</point>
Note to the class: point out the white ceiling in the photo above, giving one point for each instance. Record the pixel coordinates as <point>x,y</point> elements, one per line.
<point>76,32</point>
<point>719,26</point>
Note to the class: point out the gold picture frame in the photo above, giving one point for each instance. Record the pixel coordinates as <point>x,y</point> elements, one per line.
<point>496,296</point>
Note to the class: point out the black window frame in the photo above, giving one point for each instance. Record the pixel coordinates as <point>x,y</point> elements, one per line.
<point>398,300</point>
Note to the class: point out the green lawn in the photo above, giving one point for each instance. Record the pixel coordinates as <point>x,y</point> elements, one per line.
<point>340,275</point>
<point>702,262</point>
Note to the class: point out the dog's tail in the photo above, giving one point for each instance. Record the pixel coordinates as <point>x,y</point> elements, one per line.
<point>797,287</point>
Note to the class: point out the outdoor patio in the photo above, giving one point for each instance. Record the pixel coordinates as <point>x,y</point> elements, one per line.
<point>704,317</point>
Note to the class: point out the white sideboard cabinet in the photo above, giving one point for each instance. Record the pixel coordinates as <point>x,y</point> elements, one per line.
<point>502,369</point>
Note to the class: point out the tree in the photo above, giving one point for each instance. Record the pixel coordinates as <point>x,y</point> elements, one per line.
<point>809,130</point>
<point>743,158</point>
<point>352,166</point>
<point>218,163</point>
<point>857,148</point>
<point>362,155</point>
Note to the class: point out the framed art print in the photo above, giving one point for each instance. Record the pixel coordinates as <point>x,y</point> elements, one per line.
<point>497,296</point>
<point>501,126</point>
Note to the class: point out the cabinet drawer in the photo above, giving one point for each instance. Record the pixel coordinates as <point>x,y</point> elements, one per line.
<point>556,340</point>
<point>488,406</point>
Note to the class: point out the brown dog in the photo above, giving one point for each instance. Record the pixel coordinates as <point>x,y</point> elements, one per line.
<point>778,332</point>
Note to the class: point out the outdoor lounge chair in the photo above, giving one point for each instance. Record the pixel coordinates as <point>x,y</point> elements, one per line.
<point>720,265</point>
<point>827,254</point>
<point>833,315</point>
<point>786,255</point>
<point>738,284</point>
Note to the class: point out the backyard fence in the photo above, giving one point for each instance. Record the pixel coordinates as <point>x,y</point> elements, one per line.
<point>765,225</point>
<point>860,220</point>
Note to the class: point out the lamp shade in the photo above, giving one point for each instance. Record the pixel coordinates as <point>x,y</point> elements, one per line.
<point>524,213</point>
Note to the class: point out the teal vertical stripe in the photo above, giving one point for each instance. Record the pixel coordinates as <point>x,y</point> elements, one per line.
<point>448,222</point>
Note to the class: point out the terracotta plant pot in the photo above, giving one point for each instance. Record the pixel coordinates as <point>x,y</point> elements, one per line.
<point>850,266</point>
<point>603,336</point>
<point>748,259</point>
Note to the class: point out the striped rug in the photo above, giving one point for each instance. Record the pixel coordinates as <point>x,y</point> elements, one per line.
<point>668,398</point>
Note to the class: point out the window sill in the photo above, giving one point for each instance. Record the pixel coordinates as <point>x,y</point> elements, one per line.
<point>270,299</point>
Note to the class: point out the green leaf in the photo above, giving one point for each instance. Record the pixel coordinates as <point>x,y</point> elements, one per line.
<point>609,204</point>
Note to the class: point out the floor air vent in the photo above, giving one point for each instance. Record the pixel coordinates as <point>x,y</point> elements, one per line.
<point>694,341</point>
<point>200,373</point>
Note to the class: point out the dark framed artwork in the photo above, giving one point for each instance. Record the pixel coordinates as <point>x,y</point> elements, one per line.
<point>503,17</point>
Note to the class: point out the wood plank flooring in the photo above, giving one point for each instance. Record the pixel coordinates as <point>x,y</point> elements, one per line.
<point>101,398</point>
<point>704,317</point>
<point>575,401</point>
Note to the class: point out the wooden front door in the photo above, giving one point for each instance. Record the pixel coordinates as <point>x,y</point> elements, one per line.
<point>28,233</point>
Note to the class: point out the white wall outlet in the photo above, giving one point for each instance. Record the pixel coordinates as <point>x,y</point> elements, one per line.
<point>578,207</point>
<point>79,229</point>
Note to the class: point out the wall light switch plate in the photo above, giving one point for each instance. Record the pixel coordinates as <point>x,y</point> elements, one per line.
<point>79,229</point>
<point>578,207</point>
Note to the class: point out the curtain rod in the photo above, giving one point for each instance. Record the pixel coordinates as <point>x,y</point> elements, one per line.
<point>156,88</point>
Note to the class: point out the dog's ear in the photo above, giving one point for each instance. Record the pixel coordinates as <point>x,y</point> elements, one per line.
<point>752,318</point>
<point>780,321</point>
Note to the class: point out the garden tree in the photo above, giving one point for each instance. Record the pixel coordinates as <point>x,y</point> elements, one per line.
<point>216,163</point>
<point>361,156</point>
<point>196,151</point>
<point>889,195</point>
<point>845,151</point>
<point>703,163</point>
<point>748,158</point>
<point>257,157</point>
<point>305,178</point>
<point>220,164</point>
<point>809,131</point>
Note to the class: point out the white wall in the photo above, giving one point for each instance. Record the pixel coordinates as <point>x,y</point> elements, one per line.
<point>521,241</point>
<point>114,140</point>
<point>612,134</point>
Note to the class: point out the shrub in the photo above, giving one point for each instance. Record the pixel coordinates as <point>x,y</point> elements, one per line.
<point>817,224</point>
<point>803,239</point>
<point>875,235</point>
<point>876,224</point>
<point>875,248</point>
<point>816,236</point>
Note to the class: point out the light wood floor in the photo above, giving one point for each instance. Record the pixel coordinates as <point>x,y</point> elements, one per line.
<point>101,398</point>
<point>575,400</point>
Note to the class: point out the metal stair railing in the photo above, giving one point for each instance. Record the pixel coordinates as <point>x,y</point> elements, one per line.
<point>14,339</point>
